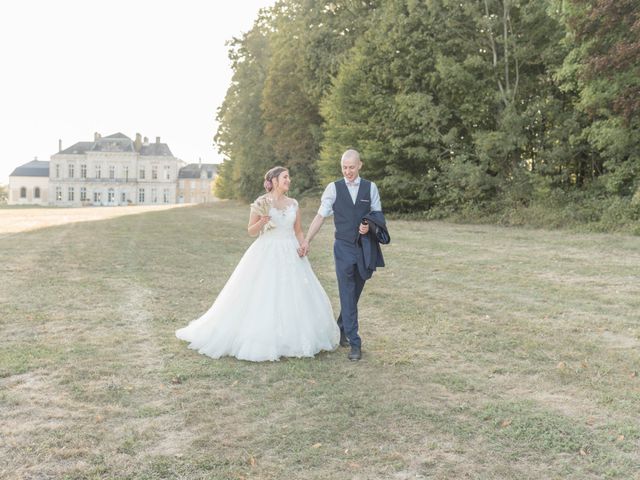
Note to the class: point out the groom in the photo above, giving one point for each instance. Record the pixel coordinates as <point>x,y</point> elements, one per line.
<point>348,200</point>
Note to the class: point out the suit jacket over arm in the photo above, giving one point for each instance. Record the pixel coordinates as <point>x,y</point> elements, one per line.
<point>371,253</point>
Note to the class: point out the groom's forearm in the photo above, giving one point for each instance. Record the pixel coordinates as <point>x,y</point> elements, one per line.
<point>314,227</point>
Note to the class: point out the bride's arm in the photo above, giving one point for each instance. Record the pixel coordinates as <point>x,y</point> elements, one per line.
<point>256,222</point>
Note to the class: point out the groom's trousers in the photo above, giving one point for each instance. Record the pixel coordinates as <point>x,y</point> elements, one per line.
<point>350,285</point>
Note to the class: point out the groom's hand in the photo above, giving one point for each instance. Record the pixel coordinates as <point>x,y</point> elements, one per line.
<point>303,249</point>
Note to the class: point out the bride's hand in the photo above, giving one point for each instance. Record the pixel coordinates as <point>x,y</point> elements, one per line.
<point>264,220</point>
<point>303,249</point>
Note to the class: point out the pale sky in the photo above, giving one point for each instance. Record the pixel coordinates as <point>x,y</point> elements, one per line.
<point>69,68</point>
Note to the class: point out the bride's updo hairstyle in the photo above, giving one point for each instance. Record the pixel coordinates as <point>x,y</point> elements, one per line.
<point>270,175</point>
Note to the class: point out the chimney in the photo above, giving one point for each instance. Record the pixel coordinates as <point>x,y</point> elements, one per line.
<point>158,140</point>
<point>59,145</point>
<point>137,145</point>
<point>96,136</point>
<point>145,141</point>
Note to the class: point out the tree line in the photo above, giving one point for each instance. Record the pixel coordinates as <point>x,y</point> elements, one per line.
<point>476,106</point>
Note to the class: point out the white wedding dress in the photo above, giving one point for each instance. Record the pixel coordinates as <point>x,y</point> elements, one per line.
<point>272,306</point>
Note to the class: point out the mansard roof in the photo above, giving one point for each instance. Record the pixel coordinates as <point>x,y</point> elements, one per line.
<point>113,143</point>
<point>194,170</point>
<point>156,149</point>
<point>78,148</point>
<point>117,135</point>
<point>34,168</point>
<point>118,142</point>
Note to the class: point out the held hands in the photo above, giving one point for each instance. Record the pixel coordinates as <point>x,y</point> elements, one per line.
<point>303,249</point>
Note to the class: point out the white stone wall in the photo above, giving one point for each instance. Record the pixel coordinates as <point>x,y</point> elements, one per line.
<point>30,184</point>
<point>162,188</point>
<point>121,188</point>
<point>195,190</point>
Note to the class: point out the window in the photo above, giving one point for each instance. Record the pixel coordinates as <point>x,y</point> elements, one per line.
<point>167,172</point>
<point>97,197</point>
<point>98,171</point>
<point>36,192</point>
<point>123,198</point>
<point>141,176</point>
<point>83,194</point>
<point>57,170</point>
<point>71,170</point>
<point>111,196</point>
<point>154,196</point>
<point>59,194</point>
<point>141,195</point>
<point>83,171</point>
<point>165,195</point>
<point>70,194</point>
<point>112,172</point>
<point>23,192</point>
<point>154,172</point>
<point>126,174</point>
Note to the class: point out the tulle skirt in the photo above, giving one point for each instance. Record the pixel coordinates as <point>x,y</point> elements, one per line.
<point>272,306</point>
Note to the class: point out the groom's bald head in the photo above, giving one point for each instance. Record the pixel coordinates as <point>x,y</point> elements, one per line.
<point>350,164</point>
<point>350,154</point>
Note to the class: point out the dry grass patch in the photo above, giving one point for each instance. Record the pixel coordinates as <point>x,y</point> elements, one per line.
<point>16,219</point>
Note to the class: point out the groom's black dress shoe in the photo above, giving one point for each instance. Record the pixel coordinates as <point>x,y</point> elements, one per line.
<point>344,341</point>
<point>355,354</point>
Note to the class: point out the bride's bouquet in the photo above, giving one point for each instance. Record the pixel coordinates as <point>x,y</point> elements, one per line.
<point>261,207</point>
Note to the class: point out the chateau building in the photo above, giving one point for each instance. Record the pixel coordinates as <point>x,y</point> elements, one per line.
<point>113,170</point>
<point>29,184</point>
<point>195,183</point>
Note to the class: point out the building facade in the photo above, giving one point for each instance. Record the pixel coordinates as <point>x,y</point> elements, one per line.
<point>113,170</point>
<point>29,184</point>
<point>195,183</point>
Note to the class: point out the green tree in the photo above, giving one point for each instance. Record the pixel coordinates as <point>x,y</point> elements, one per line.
<point>440,97</point>
<point>605,64</point>
<point>309,39</point>
<point>382,104</point>
<point>240,136</point>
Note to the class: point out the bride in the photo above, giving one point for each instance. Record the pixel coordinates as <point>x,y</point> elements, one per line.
<point>273,305</point>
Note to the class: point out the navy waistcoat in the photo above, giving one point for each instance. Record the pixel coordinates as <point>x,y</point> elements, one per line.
<point>346,215</point>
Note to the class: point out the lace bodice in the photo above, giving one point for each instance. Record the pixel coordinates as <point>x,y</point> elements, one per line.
<point>283,220</point>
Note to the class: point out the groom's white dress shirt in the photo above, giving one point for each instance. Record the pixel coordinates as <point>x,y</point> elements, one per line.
<point>329,197</point>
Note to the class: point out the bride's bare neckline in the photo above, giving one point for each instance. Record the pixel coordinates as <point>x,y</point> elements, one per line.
<point>283,203</point>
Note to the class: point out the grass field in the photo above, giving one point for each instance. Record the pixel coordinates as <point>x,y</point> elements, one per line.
<point>489,353</point>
